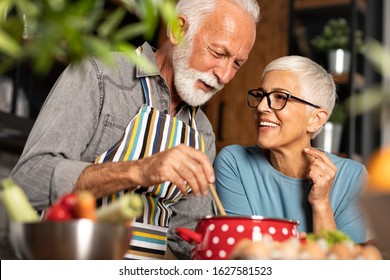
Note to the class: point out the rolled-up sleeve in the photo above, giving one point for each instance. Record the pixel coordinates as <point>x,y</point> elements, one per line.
<point>51,161</point>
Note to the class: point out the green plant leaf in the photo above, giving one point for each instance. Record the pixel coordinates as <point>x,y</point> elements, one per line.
<point>131,31</point>
<point>57,5</point>
<point>367,100</point>
<point>169,15</point>
<point>143,63</point>
<point>335,35</point>
<point>9,46</point>
<point>5,7</point>
<point>112,22</point>
<point>101,49</point>
<point>45,31</point>
<point>150,17</point>
<point>378,55</point>
<point>28,8</point>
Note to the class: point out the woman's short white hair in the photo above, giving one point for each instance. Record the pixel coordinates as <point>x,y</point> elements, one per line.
<point>197,10</point>
<point>317,85</point>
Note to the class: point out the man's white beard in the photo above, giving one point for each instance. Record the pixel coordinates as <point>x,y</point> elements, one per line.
<point>185,78</point>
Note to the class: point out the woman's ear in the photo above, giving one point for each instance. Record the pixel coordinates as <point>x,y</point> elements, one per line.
<point>317,119</point>
<point>177,33</point>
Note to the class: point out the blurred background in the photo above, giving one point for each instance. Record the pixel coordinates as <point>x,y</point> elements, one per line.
<point>287,27</point>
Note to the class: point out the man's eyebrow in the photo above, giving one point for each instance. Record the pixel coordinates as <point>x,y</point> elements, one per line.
<point>228,53</point>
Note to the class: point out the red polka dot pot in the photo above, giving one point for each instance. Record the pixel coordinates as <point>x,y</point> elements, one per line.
<point>215,236</point>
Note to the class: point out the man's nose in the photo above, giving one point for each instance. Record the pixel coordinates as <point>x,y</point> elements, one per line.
<point>225,71</point>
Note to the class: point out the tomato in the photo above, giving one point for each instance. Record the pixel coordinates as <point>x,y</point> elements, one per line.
<point>58,212</point>
<point>69,201</point>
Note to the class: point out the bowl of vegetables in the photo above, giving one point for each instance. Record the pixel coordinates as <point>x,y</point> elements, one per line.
<point>79,239</point>
<point>73,228</point>
<point>327,245</point>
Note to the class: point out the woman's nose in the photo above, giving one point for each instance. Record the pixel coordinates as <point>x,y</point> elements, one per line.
<point>263,105</point>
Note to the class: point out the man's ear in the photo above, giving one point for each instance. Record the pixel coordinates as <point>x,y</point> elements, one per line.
<point>317,119</point>
<point>176,33</point>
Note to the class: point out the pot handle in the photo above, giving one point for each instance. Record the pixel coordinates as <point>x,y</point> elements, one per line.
<point>189,235</point>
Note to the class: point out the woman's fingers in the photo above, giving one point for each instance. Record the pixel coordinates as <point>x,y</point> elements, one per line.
<point>321,172</point>
<point>319,155</point>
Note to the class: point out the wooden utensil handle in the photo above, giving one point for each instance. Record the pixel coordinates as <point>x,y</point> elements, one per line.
<point>216,199</point>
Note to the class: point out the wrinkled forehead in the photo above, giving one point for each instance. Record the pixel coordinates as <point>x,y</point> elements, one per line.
<point>233,29</point>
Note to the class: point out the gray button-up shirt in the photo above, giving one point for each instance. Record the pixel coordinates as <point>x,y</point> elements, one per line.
<point>85,114</point>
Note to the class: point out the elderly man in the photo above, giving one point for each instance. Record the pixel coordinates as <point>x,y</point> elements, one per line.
<point>143,130</point>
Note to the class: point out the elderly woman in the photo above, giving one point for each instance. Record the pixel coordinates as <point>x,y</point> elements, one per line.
<point>283,176</point>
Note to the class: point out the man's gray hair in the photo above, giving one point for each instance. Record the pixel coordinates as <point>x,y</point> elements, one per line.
<point>197,10</point>
<point>317,85</point>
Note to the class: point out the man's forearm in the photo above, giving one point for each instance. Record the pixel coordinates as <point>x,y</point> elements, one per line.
<point>107,178</point>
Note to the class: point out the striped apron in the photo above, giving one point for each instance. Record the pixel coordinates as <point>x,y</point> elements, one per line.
<point>150,132</point>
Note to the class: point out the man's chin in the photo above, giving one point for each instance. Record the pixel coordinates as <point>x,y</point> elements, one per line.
<point>197,97</point>
<point>196,104</point>
<point>198,101</point>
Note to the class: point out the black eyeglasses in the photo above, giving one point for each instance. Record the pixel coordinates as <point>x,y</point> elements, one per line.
<point>276,100</point>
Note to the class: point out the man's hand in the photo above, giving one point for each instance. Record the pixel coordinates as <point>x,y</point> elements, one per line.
<point>182,165</point>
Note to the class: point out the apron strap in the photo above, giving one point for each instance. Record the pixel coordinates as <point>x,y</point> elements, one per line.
<point>192,114</point>
<point>145,83</point>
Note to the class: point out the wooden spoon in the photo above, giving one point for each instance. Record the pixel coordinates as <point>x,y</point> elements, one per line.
<point>217,200</point>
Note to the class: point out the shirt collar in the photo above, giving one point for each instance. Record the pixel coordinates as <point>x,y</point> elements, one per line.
<point>148,53</point>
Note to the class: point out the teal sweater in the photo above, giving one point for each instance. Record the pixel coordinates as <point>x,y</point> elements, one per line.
<point>248,185</point>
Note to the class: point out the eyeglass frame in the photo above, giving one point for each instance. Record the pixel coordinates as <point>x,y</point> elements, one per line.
<point>267,94</point>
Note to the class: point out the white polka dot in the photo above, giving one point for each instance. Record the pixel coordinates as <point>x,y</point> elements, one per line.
<point>256,234</point>
<point>240,228</point>
<point>272,230</point>
<point>285,231</point>
<point>215,239</point>
<point>222,253</point>
<point>209,253</point>
<point>257,229</point>
<point>231,241</point>
<point>211,227</point>
<point>225,227</point>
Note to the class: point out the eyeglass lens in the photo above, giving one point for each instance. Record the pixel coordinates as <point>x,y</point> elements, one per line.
<point>275,100</point>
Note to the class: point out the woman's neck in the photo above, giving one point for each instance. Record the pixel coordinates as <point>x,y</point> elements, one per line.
<point>292,163</point>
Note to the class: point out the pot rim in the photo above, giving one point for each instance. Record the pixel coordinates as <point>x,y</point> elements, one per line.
<point>254,217</point>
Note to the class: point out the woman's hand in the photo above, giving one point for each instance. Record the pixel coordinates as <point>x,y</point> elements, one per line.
<point>322,173</point>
